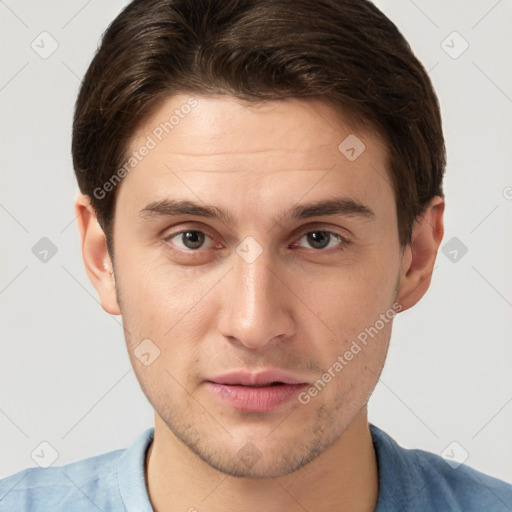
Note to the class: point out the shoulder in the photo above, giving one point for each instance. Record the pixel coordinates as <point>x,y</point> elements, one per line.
<point>73,485</point>
<point>103,482</point>
<point>419,480</point>
<point>461,487</point>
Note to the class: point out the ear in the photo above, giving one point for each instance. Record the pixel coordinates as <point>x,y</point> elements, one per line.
<point>420,255</point>
<point>98,264</point>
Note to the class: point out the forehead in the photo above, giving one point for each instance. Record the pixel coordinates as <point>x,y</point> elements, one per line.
<point>231,125</point>
<point>221,143</point>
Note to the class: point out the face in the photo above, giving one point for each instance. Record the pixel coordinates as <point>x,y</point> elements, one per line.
<point>247,244</point>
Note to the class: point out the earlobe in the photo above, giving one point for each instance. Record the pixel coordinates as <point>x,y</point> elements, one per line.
<point>98,264</point>
<point>419,257</point>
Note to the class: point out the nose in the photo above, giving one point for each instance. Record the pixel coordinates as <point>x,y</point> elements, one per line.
<point>257,304</point>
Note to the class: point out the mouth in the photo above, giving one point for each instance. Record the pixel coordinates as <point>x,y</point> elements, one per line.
<point>261,392</point>
<point>271,384</point>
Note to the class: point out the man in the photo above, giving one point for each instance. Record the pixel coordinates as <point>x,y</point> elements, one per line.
<point>261,194</point>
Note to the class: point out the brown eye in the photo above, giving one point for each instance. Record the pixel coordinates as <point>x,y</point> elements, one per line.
<point>318,239</point>
<point>193,239</point>
<point>322,239</point>
<point>190,239</point>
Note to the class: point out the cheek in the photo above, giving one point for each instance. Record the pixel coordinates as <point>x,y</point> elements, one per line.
<point>355,313</point>
<point>160,297</point>
<point>349,298</point>
<point>175,311</point>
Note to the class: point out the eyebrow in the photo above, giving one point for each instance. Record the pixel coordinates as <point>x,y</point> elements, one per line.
<point>332,206</point>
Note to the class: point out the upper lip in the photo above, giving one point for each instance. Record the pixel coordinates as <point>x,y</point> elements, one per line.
<point>262,378</point>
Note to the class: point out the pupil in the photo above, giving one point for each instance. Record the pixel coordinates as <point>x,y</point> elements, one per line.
<point>318,239</point>
<point>193,239</point>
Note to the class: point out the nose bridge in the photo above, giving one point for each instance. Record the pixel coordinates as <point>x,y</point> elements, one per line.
<point>256,310</point>
<point>256,281</point>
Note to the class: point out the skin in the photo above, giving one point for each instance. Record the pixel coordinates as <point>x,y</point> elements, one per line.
<point>296,307</point>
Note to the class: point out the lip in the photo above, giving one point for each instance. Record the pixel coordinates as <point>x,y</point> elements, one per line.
<point>263,378</point>
<point>253,391</point>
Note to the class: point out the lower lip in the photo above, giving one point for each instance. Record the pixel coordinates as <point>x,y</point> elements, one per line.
<point>255,399</point>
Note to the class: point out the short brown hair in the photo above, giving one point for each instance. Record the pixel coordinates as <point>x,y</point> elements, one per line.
<point>345,52</point>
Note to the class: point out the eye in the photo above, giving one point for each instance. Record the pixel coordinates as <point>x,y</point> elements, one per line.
<point>190,239</point>
<point>322,239</point>
<point>193,240</point>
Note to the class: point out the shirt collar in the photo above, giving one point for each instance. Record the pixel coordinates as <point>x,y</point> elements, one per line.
<point>131,474</point>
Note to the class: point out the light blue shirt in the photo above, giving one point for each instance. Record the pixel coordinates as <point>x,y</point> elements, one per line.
<point>409,480</point>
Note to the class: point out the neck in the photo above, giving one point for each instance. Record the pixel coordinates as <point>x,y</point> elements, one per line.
<point>344,478</point>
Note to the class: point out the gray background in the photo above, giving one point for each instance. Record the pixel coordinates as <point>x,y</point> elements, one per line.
<point>65,375</point>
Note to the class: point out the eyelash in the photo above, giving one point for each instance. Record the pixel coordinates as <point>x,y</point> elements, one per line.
<point>344,242</point>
